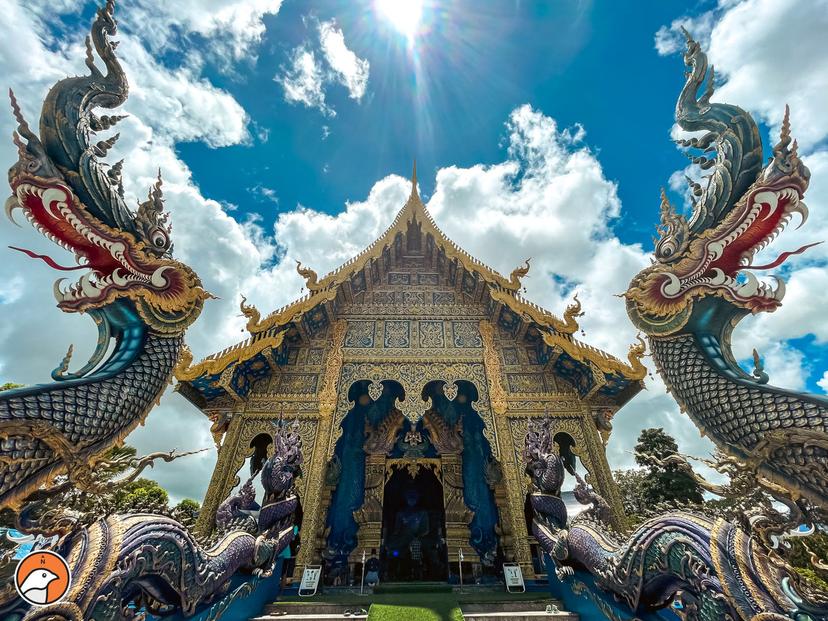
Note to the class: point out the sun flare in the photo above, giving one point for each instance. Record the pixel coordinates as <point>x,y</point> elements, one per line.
<point>403,15</point>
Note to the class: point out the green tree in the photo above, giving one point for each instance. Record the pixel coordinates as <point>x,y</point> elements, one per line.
<point>10,386</point>
<point>630,485</point>
<point>664,483</point>
<point>801,559</point>
<point>144,495</point>
<point>186,512</point>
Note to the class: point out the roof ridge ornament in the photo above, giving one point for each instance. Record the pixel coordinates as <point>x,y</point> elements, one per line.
<point>517,274</point>
<point>251,312</point>
<point>414,194</point>
<point>310,276</point>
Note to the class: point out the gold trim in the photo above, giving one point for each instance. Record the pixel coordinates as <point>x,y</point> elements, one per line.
<point>414,209</point>
<point>333,368</point>
<point>582,352</point>
<point>541,316</point>
<point>291,312</point>
<point>491,360</point>
<point>185,371</point>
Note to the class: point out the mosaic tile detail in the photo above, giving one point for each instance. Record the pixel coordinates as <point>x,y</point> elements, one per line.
<point>432,334</point>
<point>525,382</point>
<point>466,334</point>
<point>413,297</point>
<point>428,279</point>
<point>550,381</point>
<point>315,355</point>
<point>383,297</point>
<point>397,333</point>
<point>399,278</point>
<point>443,297</point>
<point>416,262</point>
<point>510,356</point>
<point>298,384</point>
<point>532,353</point>
<point>316,319</point>
<point>508,320</point>
<point>574,372</point>
<point>360,334</point>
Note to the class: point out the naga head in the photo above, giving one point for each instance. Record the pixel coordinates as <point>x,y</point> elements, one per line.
<point>543,465</point>
<point>742,208</point>
<point>284,466</point>
<point>76,200</point>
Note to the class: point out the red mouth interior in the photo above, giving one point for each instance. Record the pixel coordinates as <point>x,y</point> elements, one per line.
<point>97,258</point>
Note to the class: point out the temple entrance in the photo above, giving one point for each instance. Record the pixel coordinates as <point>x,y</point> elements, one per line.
<point>413,528</point>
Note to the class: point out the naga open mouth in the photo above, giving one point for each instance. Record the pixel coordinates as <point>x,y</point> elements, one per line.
<point>720,260</point>
<point>116,261</point>
<point>730,250</point>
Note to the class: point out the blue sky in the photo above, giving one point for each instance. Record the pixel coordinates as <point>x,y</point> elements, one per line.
<point>445,102</point>
<point>286,130</point>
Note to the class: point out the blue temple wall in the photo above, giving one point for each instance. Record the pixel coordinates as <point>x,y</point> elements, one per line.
<point>350,491</point>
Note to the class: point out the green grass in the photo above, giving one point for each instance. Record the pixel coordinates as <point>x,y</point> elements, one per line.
<point>416,607</point>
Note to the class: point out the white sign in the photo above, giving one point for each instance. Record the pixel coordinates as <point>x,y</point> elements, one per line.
<point>514,578</point>
<point>310,580</point>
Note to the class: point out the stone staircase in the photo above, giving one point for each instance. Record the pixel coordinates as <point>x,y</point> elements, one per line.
<point>477,603</point>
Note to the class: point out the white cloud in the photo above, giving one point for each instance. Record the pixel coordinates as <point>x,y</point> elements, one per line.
<point>823,383</point>
<point>176,102</point>
<point>306,78</point>
<point>351,71</point>
<point>303,80</point>
<point>670,39</point>
<point>234,27</point>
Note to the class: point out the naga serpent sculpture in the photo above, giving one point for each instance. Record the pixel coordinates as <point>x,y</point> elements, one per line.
<point>688,302</point>
<point>153,562</point>
<point>144,300</point>
<point>690,299</point>
<point>707,569</point>
<point>133,290</point>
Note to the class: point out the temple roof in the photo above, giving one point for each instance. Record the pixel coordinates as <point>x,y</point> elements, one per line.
<point>217,374</point>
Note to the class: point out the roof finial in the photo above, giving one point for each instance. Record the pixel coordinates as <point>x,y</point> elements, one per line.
<point>414,193</point>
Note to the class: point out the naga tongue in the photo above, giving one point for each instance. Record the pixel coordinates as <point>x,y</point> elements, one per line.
<point>781,258</point>
<point>48,260</point>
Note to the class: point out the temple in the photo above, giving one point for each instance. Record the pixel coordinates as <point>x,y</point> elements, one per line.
<point>413,371</point>
<point>412,403</point>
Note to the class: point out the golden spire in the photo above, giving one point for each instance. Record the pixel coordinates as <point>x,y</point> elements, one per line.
<point>414,193</point>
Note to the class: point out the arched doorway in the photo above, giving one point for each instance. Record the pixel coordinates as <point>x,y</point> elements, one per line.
<point>413,527</point>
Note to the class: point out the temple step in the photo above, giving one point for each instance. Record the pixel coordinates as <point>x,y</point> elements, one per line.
<point>532,615</point>
<point>476,602</point>
<point>308,617</point>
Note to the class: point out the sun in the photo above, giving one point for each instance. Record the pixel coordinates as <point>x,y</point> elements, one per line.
<point>403,15</point>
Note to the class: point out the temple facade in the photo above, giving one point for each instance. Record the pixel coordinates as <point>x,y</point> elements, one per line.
<point>412,372</point>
